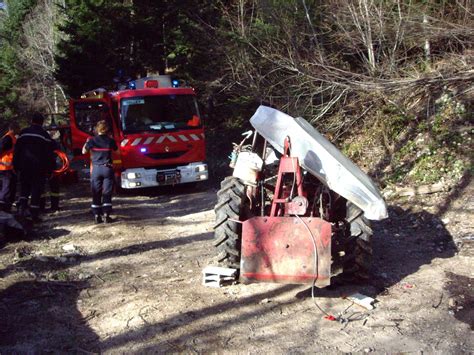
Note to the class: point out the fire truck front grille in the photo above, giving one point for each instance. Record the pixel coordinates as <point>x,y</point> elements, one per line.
<point>169,155</point>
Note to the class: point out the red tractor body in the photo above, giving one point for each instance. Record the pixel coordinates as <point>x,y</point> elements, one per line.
<point>285,247</point>
<point>294,213</point>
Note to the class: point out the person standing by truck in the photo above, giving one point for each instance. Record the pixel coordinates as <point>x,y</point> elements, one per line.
<point>102,172</point>
<point>7,174</point>
<point>33,159</point>
<point>53,183</point>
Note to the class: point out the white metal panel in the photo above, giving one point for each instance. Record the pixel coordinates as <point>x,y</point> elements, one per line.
<point>321,158</point>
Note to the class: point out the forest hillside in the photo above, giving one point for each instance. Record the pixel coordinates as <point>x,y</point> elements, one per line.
<point>390,82</point>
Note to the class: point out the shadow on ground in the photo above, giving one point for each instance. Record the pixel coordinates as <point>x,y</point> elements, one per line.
<point>46,311</point>
<point>461,295</point>
<point>145,208</point>
<point>55,264</point>
<point>181,320</point>
<point>402,244</point>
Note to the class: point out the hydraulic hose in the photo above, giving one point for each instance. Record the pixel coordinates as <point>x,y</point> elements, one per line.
<point>65,162</point>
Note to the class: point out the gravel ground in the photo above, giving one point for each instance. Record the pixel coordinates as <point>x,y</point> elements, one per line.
<point>135,285</point>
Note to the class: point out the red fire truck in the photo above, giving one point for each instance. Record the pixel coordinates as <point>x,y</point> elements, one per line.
<point>157,127</point>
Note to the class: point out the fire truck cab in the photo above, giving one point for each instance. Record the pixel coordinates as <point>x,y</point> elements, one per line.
<point>157,127</point>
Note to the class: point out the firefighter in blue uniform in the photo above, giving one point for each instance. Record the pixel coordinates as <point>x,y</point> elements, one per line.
<point>34,160</point>
<point>7,174</point>
<point>102,172</point>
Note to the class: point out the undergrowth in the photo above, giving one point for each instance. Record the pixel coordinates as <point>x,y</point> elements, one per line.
<point>400,148</point>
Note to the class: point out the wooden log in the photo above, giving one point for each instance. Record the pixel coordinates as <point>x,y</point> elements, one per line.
<point>421,190</point>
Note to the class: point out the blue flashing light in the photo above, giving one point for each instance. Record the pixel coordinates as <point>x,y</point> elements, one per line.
<point>175,83</point>
<point>132,85</point>
<point>143,150</point>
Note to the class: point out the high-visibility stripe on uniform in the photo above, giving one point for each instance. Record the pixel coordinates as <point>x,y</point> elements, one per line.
<point>50,194</point>
<point>101,149</point>
<point>96,206</point>
<point>35,135</point>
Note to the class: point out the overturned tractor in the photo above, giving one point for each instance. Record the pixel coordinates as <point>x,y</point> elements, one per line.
<point>295,209</point>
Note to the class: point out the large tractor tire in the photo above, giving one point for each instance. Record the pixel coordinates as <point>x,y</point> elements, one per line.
<point>358,246</point>
<point>232,206</point>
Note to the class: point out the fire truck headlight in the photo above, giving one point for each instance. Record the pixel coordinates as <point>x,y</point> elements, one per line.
<point>132,176</point>
<point>200,168</point>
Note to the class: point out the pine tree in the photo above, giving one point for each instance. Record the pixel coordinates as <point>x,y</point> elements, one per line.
<point>12,74</point>
<point>97,44</point>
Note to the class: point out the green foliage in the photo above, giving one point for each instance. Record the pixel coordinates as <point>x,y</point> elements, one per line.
<point>396,124</point>
<point>141,38</point>
<point>12,75</point>
<point>96,45</point>
<point>438,149</point>
<point>448,110</point>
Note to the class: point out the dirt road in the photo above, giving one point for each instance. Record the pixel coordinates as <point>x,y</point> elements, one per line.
<point>135,285</point>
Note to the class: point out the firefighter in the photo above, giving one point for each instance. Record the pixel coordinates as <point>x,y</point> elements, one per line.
<point>102,172</point>
<point>53,184</point>
<point>7,174</point>
<point>34,160</point>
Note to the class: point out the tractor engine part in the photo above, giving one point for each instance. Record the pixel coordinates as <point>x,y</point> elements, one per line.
<point>247,167</point>
<point>320,158</point>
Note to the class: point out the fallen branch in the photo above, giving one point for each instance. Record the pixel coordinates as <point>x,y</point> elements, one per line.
<point>417,190</point>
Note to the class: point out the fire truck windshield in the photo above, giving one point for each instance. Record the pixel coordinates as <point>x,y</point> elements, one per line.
<point>159,113</point>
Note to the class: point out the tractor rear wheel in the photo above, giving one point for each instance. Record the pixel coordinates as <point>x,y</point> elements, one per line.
<point>358,245</point>
<point>232,206</point>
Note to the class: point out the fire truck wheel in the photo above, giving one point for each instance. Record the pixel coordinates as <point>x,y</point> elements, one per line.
<point>358,246</point>
<point>232,206</point>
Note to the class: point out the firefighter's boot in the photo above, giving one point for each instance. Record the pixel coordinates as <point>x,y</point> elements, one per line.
<point>108,219</point>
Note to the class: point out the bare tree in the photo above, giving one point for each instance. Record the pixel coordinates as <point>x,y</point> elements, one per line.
<point>374,50</point>
<point>39,42</point>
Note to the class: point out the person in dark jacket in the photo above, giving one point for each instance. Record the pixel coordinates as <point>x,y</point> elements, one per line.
<point>33,159</point>
<point>102,172</point>
<point>52,182</point>
<point>7,174</point>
